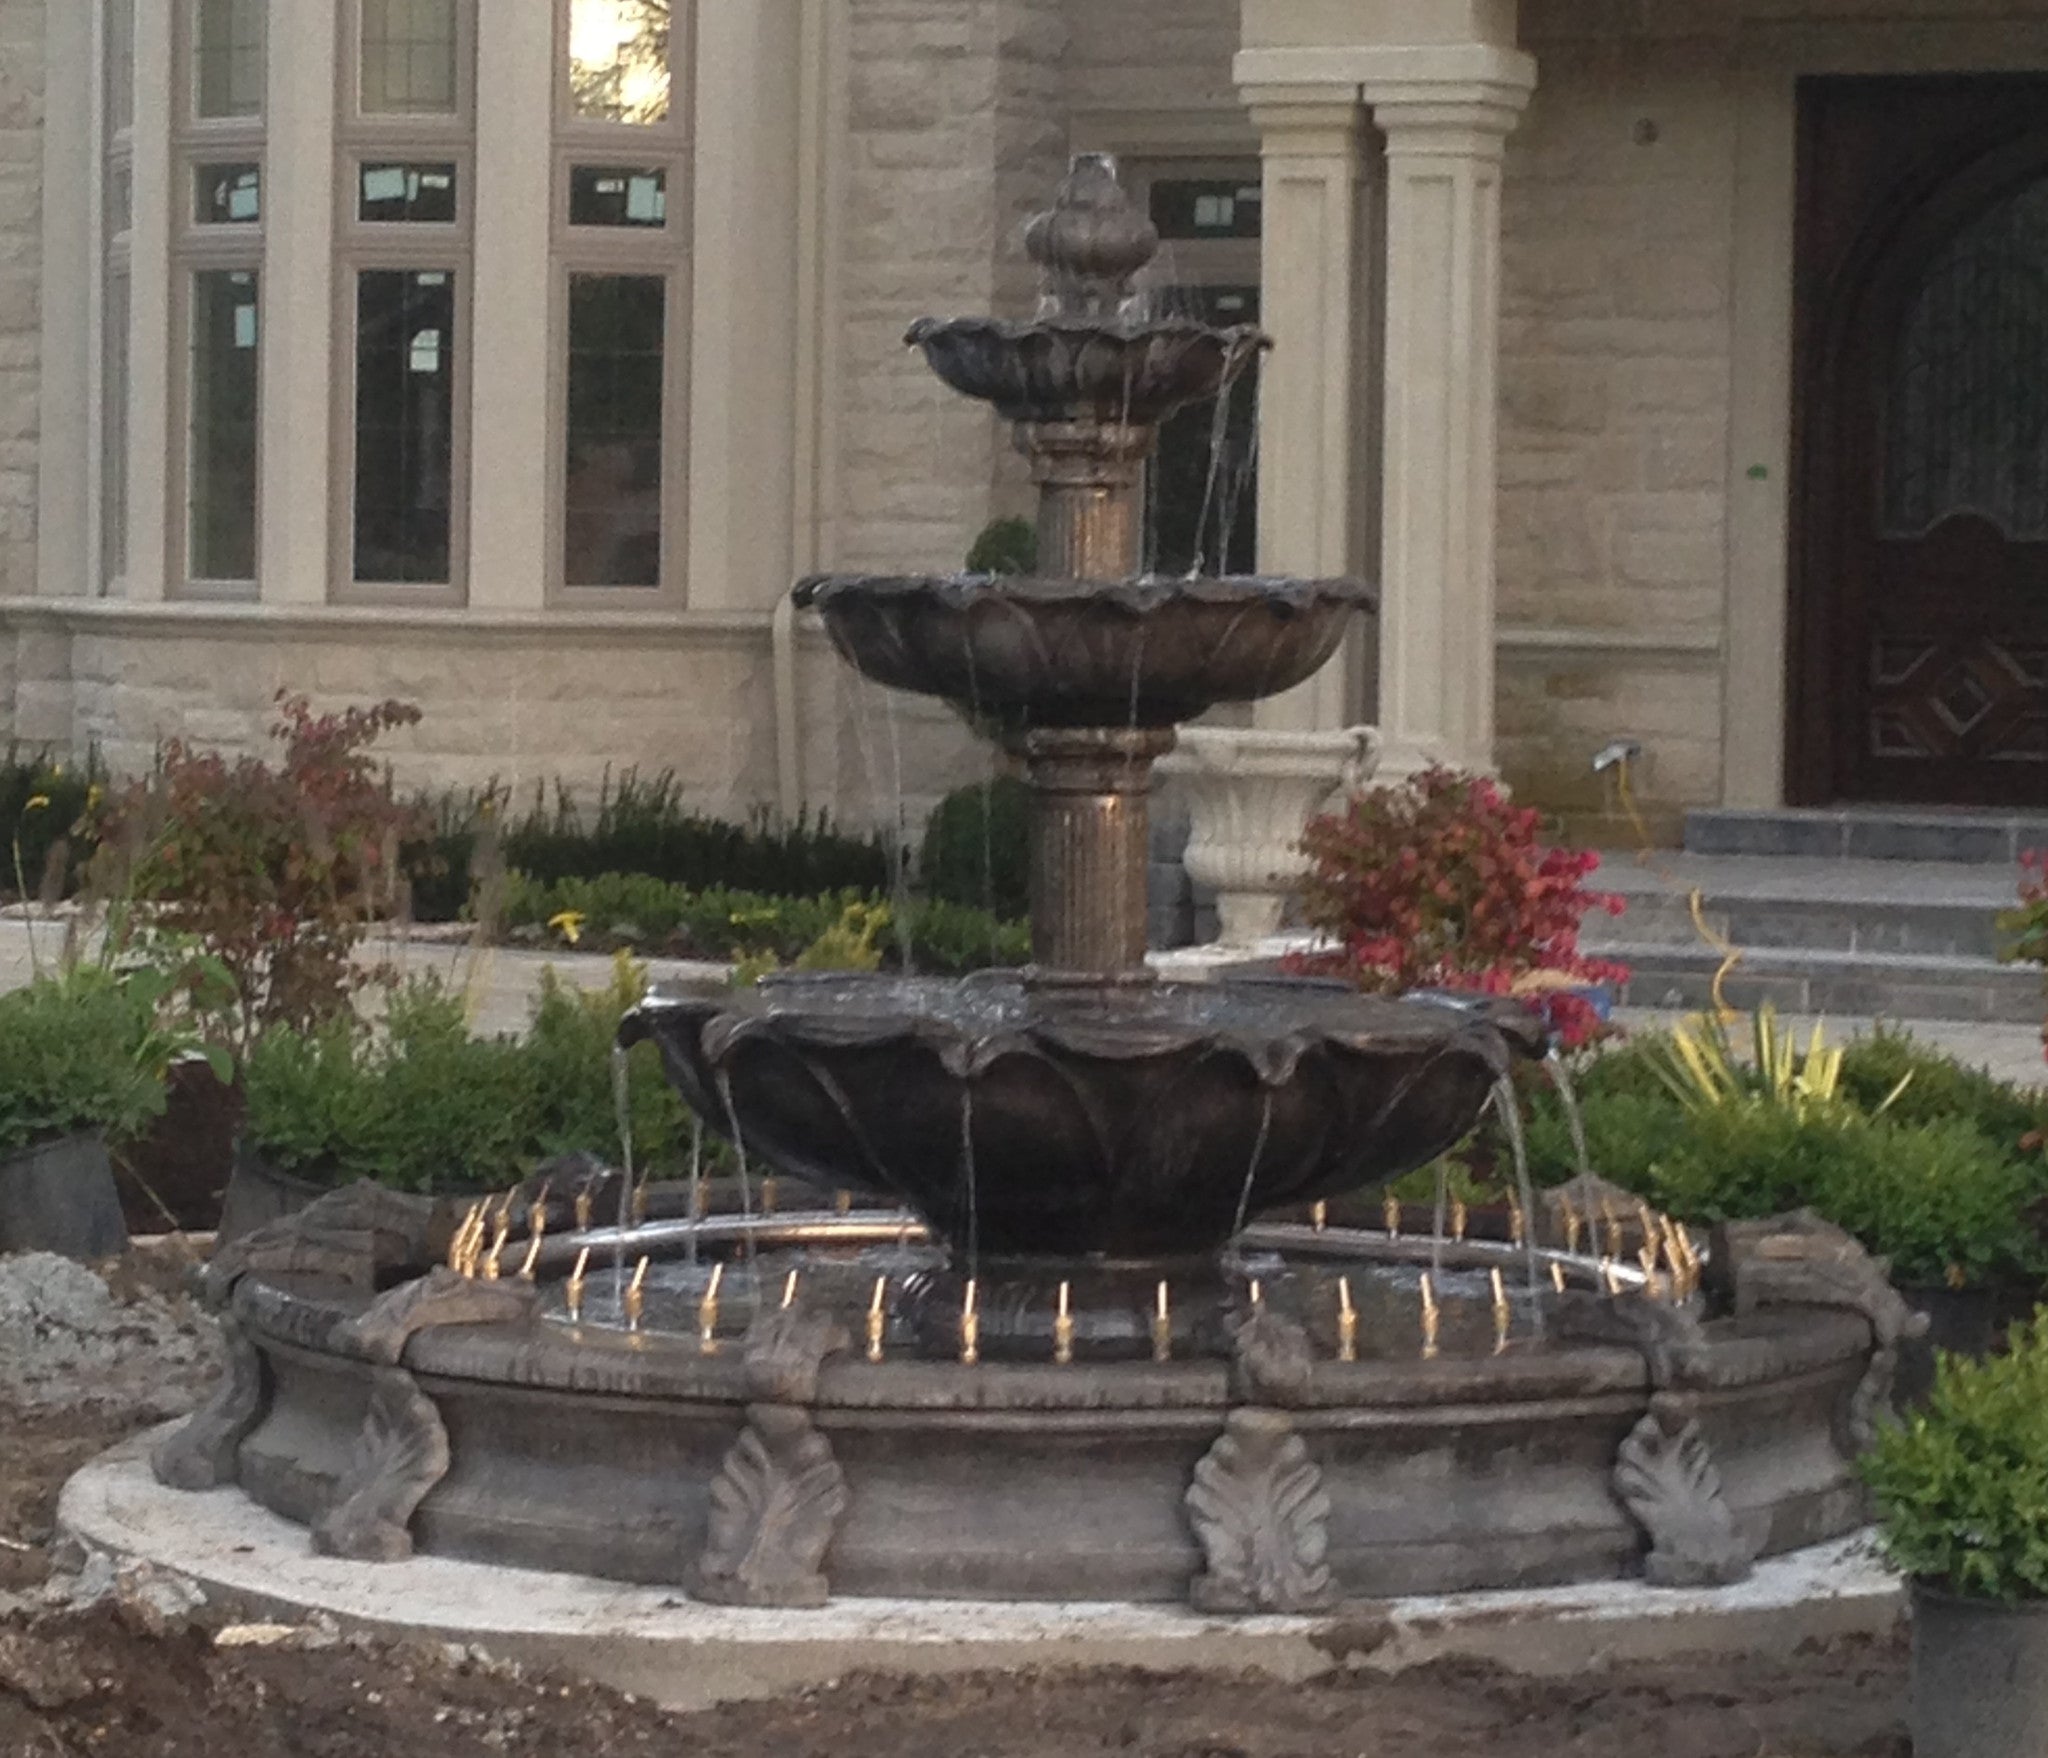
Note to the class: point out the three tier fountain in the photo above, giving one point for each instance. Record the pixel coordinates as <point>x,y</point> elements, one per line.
<point>1067,1318</point>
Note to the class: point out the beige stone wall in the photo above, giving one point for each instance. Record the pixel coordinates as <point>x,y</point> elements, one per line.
<point>21,130</point>
<point>1152,55</point>
<point>1618,243</point>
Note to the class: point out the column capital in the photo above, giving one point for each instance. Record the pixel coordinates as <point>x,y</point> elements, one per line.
<point>1460,100</point>
<point>1316,120</point>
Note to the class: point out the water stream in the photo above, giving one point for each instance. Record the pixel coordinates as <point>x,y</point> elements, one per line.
<point>739,1148</point>
<point>622,1110</point>
<point>1525,1193</point>
<point>1574,1117</point>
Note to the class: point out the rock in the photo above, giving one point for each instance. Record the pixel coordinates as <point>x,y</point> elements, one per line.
<point>68,1342</point>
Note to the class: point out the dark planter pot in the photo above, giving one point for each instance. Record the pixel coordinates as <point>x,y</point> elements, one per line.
<point>177,1175</point>
<point>1964,1321</point>
<point>1980,1677</point>
<point>258,1193</point>
<point>59,1196</point>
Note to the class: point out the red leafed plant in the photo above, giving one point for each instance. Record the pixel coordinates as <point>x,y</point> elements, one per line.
<point>2027,922</point>
<point>1440,882</point>
<point>274,870</point>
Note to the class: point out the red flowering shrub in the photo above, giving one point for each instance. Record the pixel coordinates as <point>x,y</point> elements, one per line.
<point>2028,922</point>
<point>275,871</point>
<point>1441,883</point>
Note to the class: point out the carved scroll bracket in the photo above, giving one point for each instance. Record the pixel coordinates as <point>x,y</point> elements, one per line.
<point>1665,1476</point>
<point>441,1297</point>
<point>401,1453</point>
<point>1262,1517</point>
<point>775,1506</point>
<point>201,1453</point>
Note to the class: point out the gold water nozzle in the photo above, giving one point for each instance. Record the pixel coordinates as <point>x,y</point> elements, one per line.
<point>970,1326</point>
<point>1162,1324</point>
<point>878,1318</point>
<point>1063,1328</point>
<point>1347,1322</point>
<point>572,1290</point>
<point>707,1311</point>
<point>636,1295</point>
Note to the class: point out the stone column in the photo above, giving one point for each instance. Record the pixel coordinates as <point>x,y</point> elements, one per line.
<point>296,434</point>
<point>1445,112</point>
<point>510,448</point>
<point>1312,281</point>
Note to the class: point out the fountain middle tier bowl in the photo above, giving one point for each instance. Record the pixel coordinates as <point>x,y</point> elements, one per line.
<point>1076,1116</point>
<point>1148,652</point>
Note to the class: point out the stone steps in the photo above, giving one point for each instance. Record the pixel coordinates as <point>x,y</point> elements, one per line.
<point>1868,833</point>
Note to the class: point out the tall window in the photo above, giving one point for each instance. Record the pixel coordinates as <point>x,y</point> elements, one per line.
<point>117,171</point>
<point>217,221</point>
<point>621,248</point>
<point>406,139</point>
<point>1201,496</point>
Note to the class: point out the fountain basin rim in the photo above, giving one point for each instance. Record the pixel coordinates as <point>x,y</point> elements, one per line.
<point>1137,596</point>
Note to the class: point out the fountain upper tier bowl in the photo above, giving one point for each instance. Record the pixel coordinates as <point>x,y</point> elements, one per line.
<point>1056,369</point>
<point>1068,1117</point>
<point>1149,652</point>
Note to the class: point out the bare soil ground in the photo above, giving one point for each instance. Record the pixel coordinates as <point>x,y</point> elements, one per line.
<point>132,1667</point>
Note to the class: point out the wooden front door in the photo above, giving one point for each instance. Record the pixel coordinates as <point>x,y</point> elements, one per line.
<point>1919,652</point>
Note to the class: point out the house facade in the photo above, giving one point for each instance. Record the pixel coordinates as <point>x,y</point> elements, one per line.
<point>1679,366</point>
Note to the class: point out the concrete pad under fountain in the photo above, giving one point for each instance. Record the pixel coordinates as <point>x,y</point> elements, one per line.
<point>1069,1351</point>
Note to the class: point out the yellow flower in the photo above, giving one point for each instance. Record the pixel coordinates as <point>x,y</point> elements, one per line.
<point>569,924</point>
<point>36,802</point>
<point>93,796</point>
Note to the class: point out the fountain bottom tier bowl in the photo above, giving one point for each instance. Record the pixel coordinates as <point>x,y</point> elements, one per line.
<point>775,1413</point>
<point>1064,1116</point>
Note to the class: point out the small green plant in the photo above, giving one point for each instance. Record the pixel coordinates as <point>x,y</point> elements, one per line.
<point>1924,1084</point>
<point>1962,1486</point>
<point>1700,1067</point>
<point>977,848</point>
<point>85,1051</point>
<point>1004,546</point>
<point>48,804</point>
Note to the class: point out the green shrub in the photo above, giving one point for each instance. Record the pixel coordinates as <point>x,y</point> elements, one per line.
<point>977,848</point>
<point>631,909</point>
<point>1005,546</point>
<point>1961,1486</point>
<point>1943,1202</point>
<point>421,1104</point>
<point>84,1052</point>
<point>1937,1087</point>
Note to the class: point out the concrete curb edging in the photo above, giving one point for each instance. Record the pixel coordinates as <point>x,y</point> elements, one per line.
<point>654,1643</point>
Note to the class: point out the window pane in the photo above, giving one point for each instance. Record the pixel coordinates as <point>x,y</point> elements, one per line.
<point>611,520</point>
<point>617,195</point>
<point>225,195</point>
<point>222,470</point>
<point>1208,207</point>
<point>405,423</point>
<point>619,59</point>
<point>114,426</point>
<point>227,53</point>
<point>120,67</point>
<point>408,57</point>
<point>407,193</point>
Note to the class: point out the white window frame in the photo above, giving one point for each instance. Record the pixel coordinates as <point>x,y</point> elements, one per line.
<point>197,248</point>
<point>412,245</point>
<point>625,250</point>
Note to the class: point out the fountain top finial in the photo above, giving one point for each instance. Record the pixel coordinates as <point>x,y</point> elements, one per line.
<point>1091,243</point>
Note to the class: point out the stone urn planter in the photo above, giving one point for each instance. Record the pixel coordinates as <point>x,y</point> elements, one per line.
<point>1250,792</point>
<point>1980,1676</point>
<point>59,1196</point>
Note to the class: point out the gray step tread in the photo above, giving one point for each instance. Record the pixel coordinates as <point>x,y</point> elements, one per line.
<point>1916,833</point>
<point>1808,878</point>
<point>1918,966</point>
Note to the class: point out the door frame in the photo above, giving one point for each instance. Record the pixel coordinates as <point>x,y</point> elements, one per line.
<point>1845,274</point>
